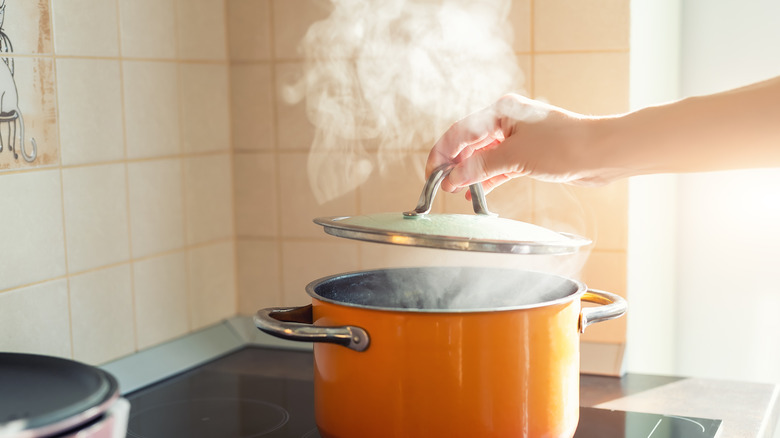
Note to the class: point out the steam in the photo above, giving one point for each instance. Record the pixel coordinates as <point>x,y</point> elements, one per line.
<point>385,78</point>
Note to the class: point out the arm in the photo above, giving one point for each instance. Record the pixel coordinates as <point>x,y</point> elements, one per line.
<point>521,137</point>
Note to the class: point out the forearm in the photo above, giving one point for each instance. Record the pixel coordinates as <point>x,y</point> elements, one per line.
<point>734,129</point>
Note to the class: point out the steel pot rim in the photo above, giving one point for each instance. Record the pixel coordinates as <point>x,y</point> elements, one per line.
<point>581,289</point>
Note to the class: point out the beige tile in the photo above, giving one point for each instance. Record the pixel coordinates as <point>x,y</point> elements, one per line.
<point>95,202</point>
<point>28,25</point>
<point>151,108</point>
<point>36,97</point>
<point>205,107</point>
<point>90,110</point>
<point>607,271</point>
<point>201,29</point>
<point>581,25</point>
<point>294,130</point>
<point>608,208</point>
<point>35,319</point>
<point>33,240</point>
<point>101,307</point>
<point>249,29</point>
<point>520,19</point>
<point>256,193</point>
<point>292,19</point>
<point>525,82</point>
<point>85,27</point>
<point>395,187</point>
<point>208,198</point>
<point>148,28</point>
<point>559,208</point>
<point>212,284</point>
<point>252,107</point>
<point>303,262</point>
<point>156,206</point>
<point>259,276</point>
<point>590,83</point>
<point>161,308</point>
<point>512,200</point>
<point>298,204</point>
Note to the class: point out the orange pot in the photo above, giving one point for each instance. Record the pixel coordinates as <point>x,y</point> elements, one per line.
<point>394,360</point>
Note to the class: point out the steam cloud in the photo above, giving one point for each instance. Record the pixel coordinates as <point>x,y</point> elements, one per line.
<point>384,78</point>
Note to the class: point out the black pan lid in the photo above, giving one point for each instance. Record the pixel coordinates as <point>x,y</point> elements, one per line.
<point>42,394</point>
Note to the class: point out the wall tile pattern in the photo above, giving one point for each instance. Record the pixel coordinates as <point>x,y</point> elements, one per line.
<point>120,235</point>
<point>575,56</point>
<point>171,190</point>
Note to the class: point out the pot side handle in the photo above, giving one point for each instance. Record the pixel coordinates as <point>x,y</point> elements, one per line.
<point>296,324</point>
<point>614,306</point>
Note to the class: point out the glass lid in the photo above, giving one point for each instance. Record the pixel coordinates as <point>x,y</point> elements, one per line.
<point>483,231</point>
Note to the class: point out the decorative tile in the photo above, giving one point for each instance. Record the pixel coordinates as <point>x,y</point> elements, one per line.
<point>256,194</point>
<point>151,108</point>
<point>101,308</point>
<point>212,284</point>
<point>201,29</point>
<point>205,108</point>
<point>581,25</point>
<point>33,240</point>
<point>86,27</point>
<point>29,93</point>
<point>35,320</point>
<point>298,203</point>
<point>303,262</point>
<point>95,202</point>
<point>252,107</point>
<point>156,206</point>
<point>249,29</point>
<point>259,279</point>
<point>208,198</point>
<point>27,25</point>
<point>161,305</point>
<point>90,110</point>
<point>148,28</point>
<point>590,83</point>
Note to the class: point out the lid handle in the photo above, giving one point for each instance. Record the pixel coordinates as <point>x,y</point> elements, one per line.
<point>425,203</point>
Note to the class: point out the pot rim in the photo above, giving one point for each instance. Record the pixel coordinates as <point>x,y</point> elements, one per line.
<point>580,291</point>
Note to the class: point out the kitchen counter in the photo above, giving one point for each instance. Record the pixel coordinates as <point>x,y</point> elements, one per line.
<point>746,409</point>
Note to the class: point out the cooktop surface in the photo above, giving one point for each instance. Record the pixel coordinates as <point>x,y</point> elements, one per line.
<point>259,392</point>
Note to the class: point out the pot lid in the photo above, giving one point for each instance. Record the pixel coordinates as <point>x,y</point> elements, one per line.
<point>43,395</point>
<point>483,231</point>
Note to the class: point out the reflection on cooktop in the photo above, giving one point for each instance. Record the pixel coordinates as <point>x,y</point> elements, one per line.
<point>257,392</point>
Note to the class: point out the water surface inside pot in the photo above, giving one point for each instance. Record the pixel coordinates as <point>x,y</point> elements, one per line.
<point>445,289</point>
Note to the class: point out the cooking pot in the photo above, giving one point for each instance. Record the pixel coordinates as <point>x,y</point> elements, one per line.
<point>46,396</point>
<point>444,352</point>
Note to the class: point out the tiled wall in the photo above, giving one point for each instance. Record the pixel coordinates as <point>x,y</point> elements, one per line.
<point>573,54</point>
<point>137,223</point>
<point>120,234</point>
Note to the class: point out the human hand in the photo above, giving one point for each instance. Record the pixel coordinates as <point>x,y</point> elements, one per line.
<point>518,136</point>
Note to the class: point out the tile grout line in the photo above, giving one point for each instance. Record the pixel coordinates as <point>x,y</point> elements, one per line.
<point>232,161</point>
<point>184,173</point>
<point>62,195</point>
<point>133,298</point>
<point>277,157</point>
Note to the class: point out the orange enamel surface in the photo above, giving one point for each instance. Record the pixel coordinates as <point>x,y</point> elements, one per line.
<point>499,374</point>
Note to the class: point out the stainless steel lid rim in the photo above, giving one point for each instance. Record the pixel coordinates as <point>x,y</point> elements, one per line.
<point>333,227</point>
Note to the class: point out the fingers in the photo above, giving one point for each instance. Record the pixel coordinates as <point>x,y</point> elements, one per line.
<point>490,184</point>
<point>490,162</point>
<point>463,138</point>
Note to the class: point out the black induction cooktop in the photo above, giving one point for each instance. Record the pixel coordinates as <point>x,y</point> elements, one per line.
<point>261,392</point>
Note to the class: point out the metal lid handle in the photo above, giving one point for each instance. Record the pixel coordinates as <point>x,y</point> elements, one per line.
<point>425,202</point>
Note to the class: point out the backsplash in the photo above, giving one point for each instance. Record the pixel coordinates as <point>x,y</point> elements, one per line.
<point>119,235</point>
<point>137,222</point>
